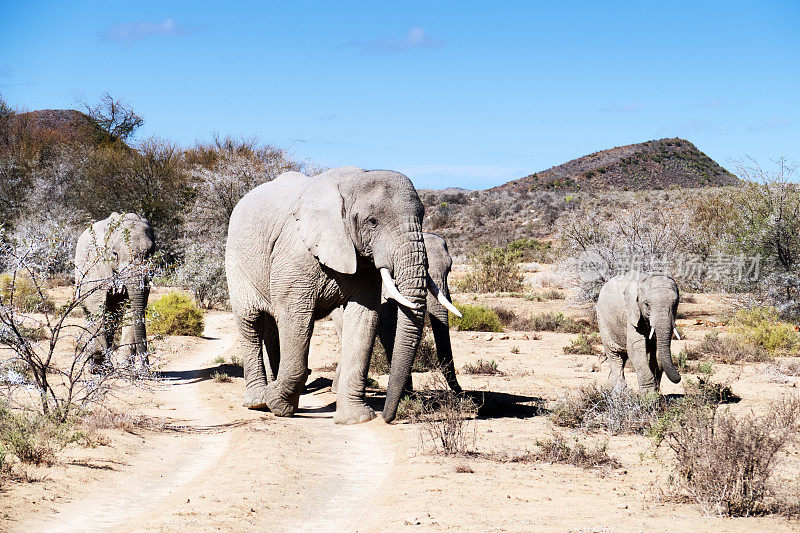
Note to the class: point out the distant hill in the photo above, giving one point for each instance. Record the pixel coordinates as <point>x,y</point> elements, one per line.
<point>660,164</point>
<point>54,125</point>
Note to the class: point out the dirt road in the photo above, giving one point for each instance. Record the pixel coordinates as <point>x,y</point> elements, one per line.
<point>330,471</point>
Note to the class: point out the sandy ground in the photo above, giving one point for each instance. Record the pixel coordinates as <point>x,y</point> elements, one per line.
<point>209,464</point>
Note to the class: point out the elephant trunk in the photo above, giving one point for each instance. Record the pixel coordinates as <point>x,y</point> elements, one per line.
<point>663,328</point>
<point>410,278</point>
<point>138,293</point>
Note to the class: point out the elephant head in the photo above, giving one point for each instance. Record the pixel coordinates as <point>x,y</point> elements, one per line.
<point>654,301</point>
<point>352,219</point>
<point>110,272</point>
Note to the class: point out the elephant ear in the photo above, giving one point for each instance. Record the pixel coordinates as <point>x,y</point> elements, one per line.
<point>319,217</point>
<point>631,293</point>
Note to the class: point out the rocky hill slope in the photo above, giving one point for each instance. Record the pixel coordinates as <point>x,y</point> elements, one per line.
<point>659,164</point>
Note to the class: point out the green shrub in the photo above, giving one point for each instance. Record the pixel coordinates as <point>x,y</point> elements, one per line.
<point>221,377</point>
<point>32,438</point>
<point>175,314</point>
<point>475,318</point>
<point>493,270</point>
<point>550,322</point>
<point>25,295</point>
<point>482,367</point>
<point>761,326</point>
<point>583,344</point>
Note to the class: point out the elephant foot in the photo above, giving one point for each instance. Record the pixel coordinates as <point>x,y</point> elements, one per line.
<point>353,414</point>
<point>256,399</point>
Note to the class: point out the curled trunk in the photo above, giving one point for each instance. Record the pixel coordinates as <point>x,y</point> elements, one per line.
<point>410,277</point>
<point>663,351</point>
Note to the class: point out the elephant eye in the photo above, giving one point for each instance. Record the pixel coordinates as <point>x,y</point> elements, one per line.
<point>372,221</point>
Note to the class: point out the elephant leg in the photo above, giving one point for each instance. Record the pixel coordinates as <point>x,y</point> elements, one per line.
<point>336,317</point>
<point>294,337</point>
<point>358,335</point>
<point>616,360</point>
<point>444,351</point>
<point>272,348</point>
<point>133,341</point>
<point>637,351</point>
<point>250,342</point>
<point>97,335</point>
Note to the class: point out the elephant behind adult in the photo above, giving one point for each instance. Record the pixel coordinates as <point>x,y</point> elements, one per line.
<point>438,307</point>
<point>636,316</point>
<point>300,247</point>
<point>110,275</point>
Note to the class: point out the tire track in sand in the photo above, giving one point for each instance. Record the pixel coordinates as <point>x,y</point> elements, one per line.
<point>164,465</point>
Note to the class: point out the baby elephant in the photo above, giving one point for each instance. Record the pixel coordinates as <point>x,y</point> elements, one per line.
<point>636,315</point>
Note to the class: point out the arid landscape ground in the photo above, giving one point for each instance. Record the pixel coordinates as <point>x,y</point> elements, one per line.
<point>181,453</point>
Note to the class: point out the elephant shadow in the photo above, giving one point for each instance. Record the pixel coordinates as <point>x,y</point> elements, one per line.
<point>201,374</point>
<point>506,405</point>
<point>490,404</point>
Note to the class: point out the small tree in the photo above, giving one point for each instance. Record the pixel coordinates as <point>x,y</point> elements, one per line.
<point>48,350</point>
<point>114,116</point>
<point>493,269</point>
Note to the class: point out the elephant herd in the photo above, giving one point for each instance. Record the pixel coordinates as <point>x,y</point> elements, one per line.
<point>347,243</point>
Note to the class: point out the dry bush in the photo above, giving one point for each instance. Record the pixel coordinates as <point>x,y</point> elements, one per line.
<point>617,409</point>
<point>727,463</point>
<point>725,350</point>
<point>447,418</point>
<point>561,451</point>
<point>105,418</point>
<point>549,322</point>
<point>782,371</point>
<point>482,367</point>
<point>505,315</point>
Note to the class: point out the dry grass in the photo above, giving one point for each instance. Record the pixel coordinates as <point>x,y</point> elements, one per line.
<point>447,418</point>
<point>482,367</point>
<point>726,350</point>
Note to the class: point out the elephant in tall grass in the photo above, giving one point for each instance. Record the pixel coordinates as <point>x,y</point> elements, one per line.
<point>438,307</point>
<point>112,279</point>
<point>636,316</point>
<point>300,247</point>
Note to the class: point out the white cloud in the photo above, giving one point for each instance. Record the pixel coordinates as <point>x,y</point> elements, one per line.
<point>129,32</point>
<point>415,38</point>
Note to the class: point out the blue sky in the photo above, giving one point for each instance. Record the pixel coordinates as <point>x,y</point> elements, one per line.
<point>468,94</point>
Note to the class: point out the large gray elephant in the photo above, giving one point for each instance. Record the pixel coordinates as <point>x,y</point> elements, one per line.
<point>111,276</point>
<point>636,316</point>
<point>438,307</point>
<point>300,247</point>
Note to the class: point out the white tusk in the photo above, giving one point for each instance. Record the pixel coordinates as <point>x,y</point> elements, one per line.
<point>652,330</point>
<point>676,333</point>
<point>392,291</point>
<point>442,299</point>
